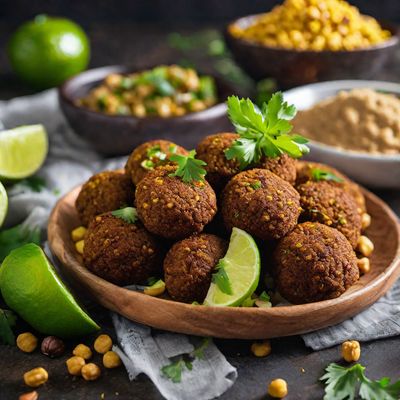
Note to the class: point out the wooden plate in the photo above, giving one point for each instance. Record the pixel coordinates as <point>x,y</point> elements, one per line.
<point>235,322</point>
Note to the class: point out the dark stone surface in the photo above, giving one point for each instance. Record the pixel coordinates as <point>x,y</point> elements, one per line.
<point>113,44</point>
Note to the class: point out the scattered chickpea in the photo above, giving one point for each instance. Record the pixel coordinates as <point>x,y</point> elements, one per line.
<point>111,359</point>
<point>103,344</point>
<point>79,246</point>
<point>82,351</point>
<point>155,290</point>
<point>74,365</point>
<point>36,377</point>
<point>278,388</point>
<point>78,233</point>
<point>363,265</point>
<point>27,342</point>
<point>90,372</point>
<point>365,221</point>
<point>262,349</point>
<point>365,246</point>
<point>351,350</point>
<point>29,396</point>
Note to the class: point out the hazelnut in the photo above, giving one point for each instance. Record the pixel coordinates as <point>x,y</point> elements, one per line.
<point>52,346</point>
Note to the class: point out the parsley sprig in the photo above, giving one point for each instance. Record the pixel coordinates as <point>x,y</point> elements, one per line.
<point>127,214</point>
<point>263,132</point>
<point>189,168</point>
<point>221,278</point>
<point>342,384</point>
<point>318,174</point>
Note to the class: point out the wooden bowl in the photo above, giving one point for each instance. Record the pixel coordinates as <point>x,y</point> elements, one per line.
<point>298,67</point>
<point>234,322</point>
<point>114,135</point>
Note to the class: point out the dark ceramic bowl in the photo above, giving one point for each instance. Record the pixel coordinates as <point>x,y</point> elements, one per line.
<point>119,135</point>
<point>298,67</point>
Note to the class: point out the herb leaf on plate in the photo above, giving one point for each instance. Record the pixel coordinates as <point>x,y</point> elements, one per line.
<point>189,168</point>
<point>127,214</point>
<point>318,174</point>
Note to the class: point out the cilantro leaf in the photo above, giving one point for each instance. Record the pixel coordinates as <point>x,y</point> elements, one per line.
<point>221,278</point>
<point>189,168</point>
<point>263,132</point>
<point>174,370</point>
<point>128,214</point>
<point>264,296</point>
<point>35,183</point>
<point>318,174</point>
<point>382,390</point>
<point>198,352</point>
<point>7,322</point>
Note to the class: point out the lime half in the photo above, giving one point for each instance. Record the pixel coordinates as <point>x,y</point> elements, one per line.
<point>3,204</point>
<point>22,151</point>
<point>31,287</point>
<point>242,266</point>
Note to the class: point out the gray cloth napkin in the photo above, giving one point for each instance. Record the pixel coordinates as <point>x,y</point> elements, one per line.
<point>70,162</point>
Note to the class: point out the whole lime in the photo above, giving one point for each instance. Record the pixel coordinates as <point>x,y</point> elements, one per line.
<point>46,51</point>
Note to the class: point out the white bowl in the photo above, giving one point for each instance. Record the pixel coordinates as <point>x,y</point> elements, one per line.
<point>374,170</point>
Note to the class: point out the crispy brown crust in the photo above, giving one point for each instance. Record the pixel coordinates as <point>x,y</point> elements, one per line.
<point>331,205</point>
<point>189,264</point>
<point>314,262</point>
<point>268,212</point>
<point>284,166</point>
<point>106,191</point>
<point>170,208</point>
<point>133,166</point>
<point>121,252</point>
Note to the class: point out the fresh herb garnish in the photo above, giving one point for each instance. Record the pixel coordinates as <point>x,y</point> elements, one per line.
<point>256,185</point>
<point>152,280</point>
<point>35,183</point>
<point>147,164</point>
<point>198,352</point>
<point>17,236</point>
<point>321,175</point>
<point>249,302</point>
<point>264,296</point>
<point>263,132</point>
<point>7,322</point>
<point>189,168</point>
<point>342,384</point>
<point>155,152</point>
<point>128,214</point>
<point>221,278</point>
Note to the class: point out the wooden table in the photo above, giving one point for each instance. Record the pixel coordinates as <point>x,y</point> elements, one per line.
<point>290,359</point>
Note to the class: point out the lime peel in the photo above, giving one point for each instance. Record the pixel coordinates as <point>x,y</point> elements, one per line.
<point>3,204</point>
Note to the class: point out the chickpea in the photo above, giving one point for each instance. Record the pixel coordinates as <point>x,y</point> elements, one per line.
<point>82,351</point>
<point>278,388</point>
<point>79,246</point>
<point>90,372</point>
<point>36,377</point>
<point>27,342</point>
<point>365,246</point>
<point>261,349</point>
<point>363,265</point>
<point>139,110</point>
<point>74,365</point>
<point>78,233</point>
<point>351,350</point>
<point>111,359</point>
<point>365,221</point>
<point>102,344</point>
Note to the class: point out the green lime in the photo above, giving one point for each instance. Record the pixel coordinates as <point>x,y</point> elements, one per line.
<point>242,266</point>
<point>46,51</point>
<point>22,151</point>
<point>30,286</point>
<point>3,204</point>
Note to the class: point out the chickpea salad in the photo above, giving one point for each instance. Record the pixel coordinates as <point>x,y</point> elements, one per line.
<point>164,91</point>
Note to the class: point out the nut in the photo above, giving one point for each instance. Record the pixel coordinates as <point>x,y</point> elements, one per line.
<point>79,246</point>
<point>27,342</point>
<point>52,346</point>
<point>278,388</point>
<point>365,221</point>
<point>29,396</point>
<point>365,246</point>
<point>111,359</point>
<point>74,365</point>
<point>90,372</point>
<point>261,349</point>
<point>351,350</point>
<point>102,344</point>
<point>82,351</point>
<point>36,377</point>
<point>78,233</point>
<point>363,265</point>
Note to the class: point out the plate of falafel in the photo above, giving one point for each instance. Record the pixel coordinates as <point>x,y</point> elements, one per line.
<point>235,239</point>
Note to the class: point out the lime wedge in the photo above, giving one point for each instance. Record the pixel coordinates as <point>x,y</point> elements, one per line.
<point>22,151</point>
<point>30,286</point>
<point>242,266</point>
<point>3,204</point>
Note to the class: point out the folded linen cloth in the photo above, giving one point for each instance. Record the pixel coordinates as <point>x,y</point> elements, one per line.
<point>70,162</point>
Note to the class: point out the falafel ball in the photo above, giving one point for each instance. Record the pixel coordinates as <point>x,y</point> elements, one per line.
<point>121,252</point>
<point>106,191</point>
<point>304,174</point>
<point>171,208</point>
<point>314,262</point>
<point>261,203</point>
<point>220,170</point>
<point>331,205</point>
<point>150,155</point>
<point>189,264</point>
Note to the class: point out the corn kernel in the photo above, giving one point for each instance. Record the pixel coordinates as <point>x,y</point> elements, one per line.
<point>79,246</point>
